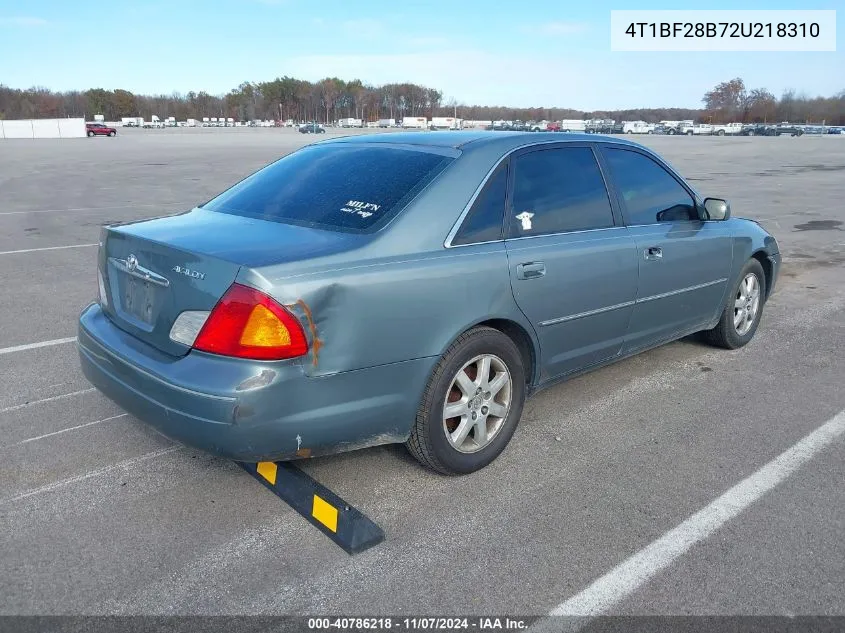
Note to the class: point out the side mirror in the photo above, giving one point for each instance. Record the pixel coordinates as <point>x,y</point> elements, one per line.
<point>717,209</point>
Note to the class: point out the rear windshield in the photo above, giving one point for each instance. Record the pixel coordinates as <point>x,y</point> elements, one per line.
<point>342,187</point>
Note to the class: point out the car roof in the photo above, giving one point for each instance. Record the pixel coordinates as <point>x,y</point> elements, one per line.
<point>475,140</point>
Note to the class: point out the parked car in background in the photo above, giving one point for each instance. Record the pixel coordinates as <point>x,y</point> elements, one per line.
<point>312,128</point>
<point>99,129</point>
<point>786,129</point>
<point>756,129</point>
<point>312,307</point>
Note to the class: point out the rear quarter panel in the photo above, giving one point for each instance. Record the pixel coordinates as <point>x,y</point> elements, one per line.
<point>396,308</point>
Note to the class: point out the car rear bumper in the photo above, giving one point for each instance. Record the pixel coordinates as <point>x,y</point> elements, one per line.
<point>249,410</point>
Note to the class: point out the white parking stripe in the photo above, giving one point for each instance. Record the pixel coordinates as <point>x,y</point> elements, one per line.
<point>121,206</point>
<point>23,348</point>
<point>72,428</point>
<point>50,399</point>
<point>46,248</point>
<point>94,473</point>
<point>630,575</point>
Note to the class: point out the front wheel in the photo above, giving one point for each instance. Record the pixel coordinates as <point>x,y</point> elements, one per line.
<point>471,404</point>
<point>90,134</point>
<point>743,309</point>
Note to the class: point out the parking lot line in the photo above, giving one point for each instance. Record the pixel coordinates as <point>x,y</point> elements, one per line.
<point>120,206</point>
<point>23,348</point>
<point>631,574</point>
<point>72,428</point>
<point>16,407</point>
<point>46,248</point>
<point>94,473</point>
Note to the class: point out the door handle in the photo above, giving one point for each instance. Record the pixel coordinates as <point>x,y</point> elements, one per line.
<point>653,252</point>
<point>530,270</point>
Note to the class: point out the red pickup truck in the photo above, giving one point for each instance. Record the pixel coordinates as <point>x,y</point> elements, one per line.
<point>98,129</point>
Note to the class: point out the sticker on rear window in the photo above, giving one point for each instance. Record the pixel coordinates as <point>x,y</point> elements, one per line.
<point>364,209</point>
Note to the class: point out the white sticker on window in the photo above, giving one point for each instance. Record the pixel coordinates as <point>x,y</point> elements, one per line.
<point>364,209</point>
<point>525,218</point>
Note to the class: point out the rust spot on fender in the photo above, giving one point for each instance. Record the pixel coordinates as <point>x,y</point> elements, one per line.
<point>317,343</point>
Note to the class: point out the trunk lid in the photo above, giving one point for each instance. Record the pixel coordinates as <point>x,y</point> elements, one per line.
<point>155,269</point>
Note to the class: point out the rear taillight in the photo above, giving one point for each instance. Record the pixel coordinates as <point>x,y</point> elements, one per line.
<point>248,324</point>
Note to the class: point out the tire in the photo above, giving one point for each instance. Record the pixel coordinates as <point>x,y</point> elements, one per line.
<point>90,134</point>
<point>720,133</point>
<point>690,133</point>
<point>728,335</point>
<point>751,133</point>
<point>429,443</point>
<point>112,133</point>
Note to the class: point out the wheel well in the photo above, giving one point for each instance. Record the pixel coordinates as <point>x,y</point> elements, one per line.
<point>521,339</point>
<point>761,257</point>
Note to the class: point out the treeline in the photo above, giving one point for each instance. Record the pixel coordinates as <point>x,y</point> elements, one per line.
<point>732,101</point>
<point>332,98</point>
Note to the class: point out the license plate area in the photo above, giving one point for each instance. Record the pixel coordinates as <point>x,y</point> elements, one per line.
<point>139,299</point>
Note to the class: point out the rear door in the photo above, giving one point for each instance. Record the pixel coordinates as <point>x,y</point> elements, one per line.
<point>573,267</point>
<point>684,262</point>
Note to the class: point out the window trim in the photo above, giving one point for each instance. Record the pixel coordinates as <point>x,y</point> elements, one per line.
<point>611,199</point>
<point>656,159</point>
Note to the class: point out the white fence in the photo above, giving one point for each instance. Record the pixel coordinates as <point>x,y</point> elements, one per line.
<point>43,128</point>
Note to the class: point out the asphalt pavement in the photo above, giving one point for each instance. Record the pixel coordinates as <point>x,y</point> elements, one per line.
<point>101,515</point>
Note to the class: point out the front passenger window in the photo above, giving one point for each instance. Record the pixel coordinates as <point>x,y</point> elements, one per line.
<point>650,194</point>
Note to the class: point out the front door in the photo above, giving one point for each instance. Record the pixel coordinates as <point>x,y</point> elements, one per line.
<point>684,262</point>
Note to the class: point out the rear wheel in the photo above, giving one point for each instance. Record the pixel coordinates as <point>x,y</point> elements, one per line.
<point>112,133</point>
<point>743,309</point>
<point>471,404</point>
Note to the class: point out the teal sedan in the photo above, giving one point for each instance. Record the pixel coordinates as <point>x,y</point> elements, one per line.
<point>412,288</point>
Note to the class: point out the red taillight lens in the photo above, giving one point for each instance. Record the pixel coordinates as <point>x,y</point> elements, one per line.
<point>248,324</point>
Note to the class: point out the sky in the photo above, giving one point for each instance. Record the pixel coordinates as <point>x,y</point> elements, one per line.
<point>534,53</point>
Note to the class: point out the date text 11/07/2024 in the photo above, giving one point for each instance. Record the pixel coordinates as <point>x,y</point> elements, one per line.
<point>420,624</point>
<point>724,29</point>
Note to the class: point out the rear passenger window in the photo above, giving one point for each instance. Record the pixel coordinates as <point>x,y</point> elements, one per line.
<point>650,194</point>
<point>484,221</point>
<point>558,190</point>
